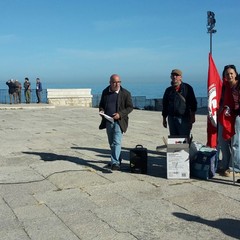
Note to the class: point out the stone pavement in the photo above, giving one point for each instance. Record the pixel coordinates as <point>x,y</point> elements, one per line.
<point>54,183</point>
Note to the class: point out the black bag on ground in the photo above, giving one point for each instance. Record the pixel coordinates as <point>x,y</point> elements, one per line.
<point>205,164</point>
<point>138,159</point>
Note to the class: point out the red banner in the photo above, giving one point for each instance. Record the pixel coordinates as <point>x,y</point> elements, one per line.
<point>226,116</point>
<point>214,95</point>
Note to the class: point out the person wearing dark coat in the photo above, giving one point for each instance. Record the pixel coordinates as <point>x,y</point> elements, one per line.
<point>116,103</point>
<point>38,90</point>
<point>179,106</point>
<point>27,90</point>
<point>12,91</point>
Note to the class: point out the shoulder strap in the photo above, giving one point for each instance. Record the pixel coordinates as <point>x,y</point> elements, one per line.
<point>181,96</point>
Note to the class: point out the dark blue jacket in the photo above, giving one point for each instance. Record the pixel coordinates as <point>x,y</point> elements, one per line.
<point>39,87</point>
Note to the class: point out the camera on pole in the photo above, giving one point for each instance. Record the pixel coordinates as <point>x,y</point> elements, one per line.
<point>211,22</point>
<point>210,26</point>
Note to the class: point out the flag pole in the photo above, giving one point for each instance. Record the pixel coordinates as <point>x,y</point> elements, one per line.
<point>210,27</point>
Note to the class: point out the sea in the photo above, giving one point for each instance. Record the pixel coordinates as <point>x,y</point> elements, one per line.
<point>150,90</point>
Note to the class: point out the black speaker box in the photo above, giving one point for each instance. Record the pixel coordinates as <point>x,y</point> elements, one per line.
<point>138,159</point>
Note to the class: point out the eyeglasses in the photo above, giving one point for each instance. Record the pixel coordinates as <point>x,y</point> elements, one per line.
<point>230,66</point>
<point>117,82</point>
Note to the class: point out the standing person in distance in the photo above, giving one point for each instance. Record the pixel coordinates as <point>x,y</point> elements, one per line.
<point>115,102</point>
<point>38,90</point>
<point>179,106</point>
<point>27,90</point>
<point>11,91</point>
<point>18,89</point>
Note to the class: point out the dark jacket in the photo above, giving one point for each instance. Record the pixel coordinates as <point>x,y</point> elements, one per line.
<point>39,87</point>
<point>168,100</point>
<point>26,85</point>
<point>124,107</point>
<point>11,87</point>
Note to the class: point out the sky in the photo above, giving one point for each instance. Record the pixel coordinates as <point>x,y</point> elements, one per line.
<point>79,43</point>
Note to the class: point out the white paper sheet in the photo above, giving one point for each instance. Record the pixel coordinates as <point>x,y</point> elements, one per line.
<point>106,116</point>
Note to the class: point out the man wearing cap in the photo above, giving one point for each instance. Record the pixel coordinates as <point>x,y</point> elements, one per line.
<point>179,106</point>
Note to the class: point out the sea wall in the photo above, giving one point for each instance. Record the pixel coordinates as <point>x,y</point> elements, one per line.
<point>70,97</point>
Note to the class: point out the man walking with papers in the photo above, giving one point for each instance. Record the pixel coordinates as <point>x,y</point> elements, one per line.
<point>114,107</point>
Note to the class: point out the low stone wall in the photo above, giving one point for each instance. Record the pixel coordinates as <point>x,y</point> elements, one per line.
<point>70,97</point>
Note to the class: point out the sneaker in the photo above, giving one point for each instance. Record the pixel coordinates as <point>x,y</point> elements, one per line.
<point>225,173</point>
<point>110,164</point>
<point>115,167</point>
<point>228,173</point>
<point>237,174</point>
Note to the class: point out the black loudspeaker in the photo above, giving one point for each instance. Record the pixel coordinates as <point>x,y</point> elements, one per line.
<point>138,159</point>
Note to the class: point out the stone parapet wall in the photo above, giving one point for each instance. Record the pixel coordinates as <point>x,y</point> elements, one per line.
<point>70,97</point>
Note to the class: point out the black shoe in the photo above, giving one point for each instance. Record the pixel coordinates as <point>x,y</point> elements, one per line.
<point>109,164</point>
<point>238,181</point>
<point>115,167</point>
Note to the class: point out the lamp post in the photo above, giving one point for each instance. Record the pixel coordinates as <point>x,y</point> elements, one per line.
<point>210,26</point>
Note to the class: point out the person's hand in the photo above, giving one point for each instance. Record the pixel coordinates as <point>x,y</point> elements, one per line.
<point>116,116</point>
<point>192,118</point>
<point>165,123</point>
<point>101,111</point>
<point>227,111</point>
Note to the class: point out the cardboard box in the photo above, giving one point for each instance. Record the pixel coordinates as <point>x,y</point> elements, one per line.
<point>178,166</point>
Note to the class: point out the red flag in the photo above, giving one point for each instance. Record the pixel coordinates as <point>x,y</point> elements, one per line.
<point>214,95</point>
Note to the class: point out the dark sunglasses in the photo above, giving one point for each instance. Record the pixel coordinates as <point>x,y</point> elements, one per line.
<point>230,66</point>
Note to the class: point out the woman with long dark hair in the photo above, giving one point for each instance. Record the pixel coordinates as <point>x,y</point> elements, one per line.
<point>229,127</point>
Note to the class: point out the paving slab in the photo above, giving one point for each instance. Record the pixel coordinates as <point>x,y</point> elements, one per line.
<point>55,183</point>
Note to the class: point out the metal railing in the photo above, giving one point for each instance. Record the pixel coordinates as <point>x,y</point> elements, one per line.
<point>5,97</point>
<point>139,102</point>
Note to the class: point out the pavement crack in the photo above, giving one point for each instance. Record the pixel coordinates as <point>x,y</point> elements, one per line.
<point>21,223</point>
<point>75,234</point>
<point>112,227</point>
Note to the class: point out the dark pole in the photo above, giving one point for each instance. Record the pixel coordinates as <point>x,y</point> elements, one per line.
<point>210,26</point>
<point>211,42</point>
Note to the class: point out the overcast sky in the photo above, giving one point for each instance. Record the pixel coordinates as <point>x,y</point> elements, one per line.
<point>81,43</point>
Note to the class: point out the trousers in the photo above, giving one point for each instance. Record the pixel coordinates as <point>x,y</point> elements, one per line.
<point>114,134</point>
<point>179,126</point>
<point>228,150</point>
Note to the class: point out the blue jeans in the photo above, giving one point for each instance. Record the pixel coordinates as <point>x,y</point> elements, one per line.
<point>179,126</point>
<point>228,151</point>
<point>235,141</point>
<point>114,134</point>
<point>223,150</point>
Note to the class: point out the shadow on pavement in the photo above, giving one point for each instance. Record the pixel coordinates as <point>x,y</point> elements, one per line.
<point>230,227</point>
<point>156,160</point>
<point>57,157</point>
